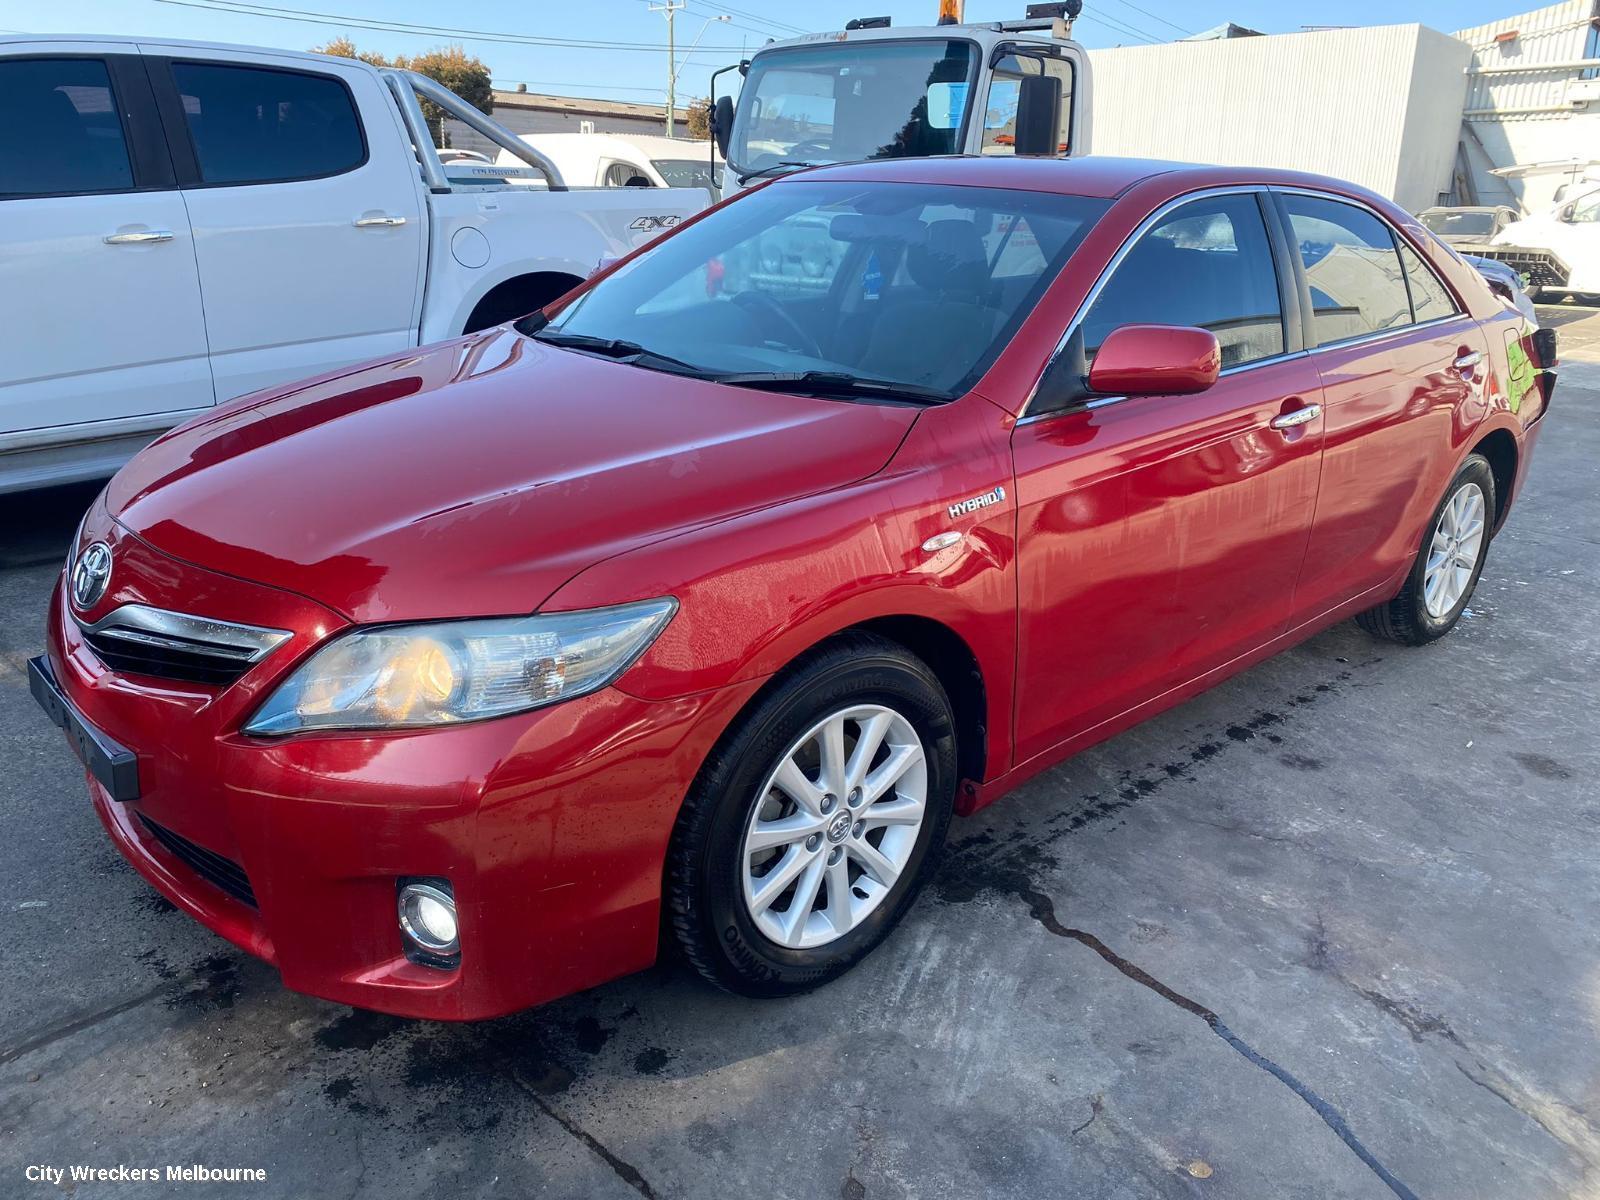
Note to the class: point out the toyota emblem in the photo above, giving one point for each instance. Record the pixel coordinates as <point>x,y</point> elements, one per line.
<point>91,575</point>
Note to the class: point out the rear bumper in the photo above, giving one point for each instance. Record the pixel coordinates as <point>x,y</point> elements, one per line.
<point>552,827</point>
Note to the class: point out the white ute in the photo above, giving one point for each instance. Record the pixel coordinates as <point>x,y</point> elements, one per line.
<point>184,223</point>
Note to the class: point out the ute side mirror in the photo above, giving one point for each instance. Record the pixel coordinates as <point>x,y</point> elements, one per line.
<point>1134,360</point>
<point>1038,116</point>
<point>722,124</point>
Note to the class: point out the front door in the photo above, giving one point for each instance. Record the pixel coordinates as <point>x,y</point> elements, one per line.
<point>307,213</point>
<point>1160,537</point>
<point>100,318</point>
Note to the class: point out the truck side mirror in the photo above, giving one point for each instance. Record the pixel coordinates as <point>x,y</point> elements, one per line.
<point>1038,116</point>
<point>722,124</point>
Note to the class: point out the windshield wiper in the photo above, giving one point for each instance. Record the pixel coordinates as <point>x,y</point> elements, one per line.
<point>833,383</point>
<point>793,165</point>
<point>624,351</point>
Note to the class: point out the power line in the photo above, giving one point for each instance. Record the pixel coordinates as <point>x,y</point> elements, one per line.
<point>750,16</point>
<point>1154,17</point>
<point>1101,19</point>
<point>383,25</point>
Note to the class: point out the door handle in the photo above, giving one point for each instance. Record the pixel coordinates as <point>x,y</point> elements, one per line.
<point>138,237</point>
<point>1469,360</point>
<point>380,222</point>
<point>1300,416</point>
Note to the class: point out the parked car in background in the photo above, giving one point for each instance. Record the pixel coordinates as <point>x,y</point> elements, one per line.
<point>700,602</point>
<point>1467,225</point>
<point>1556,250</point>
<point>1504,282</point>
<point>626,160</point>
<point>184,223</point>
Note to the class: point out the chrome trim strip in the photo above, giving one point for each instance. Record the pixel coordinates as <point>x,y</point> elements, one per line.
<point>227,640</point>
<point>1382,334</point>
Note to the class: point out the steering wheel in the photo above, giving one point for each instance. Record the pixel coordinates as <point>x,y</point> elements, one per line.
<point>809,147</point>
<point>760,304</point>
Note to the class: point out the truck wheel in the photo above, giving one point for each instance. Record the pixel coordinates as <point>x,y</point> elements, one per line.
<point>1447,567</point>
<point>517,298</point>
<point>816,821</point>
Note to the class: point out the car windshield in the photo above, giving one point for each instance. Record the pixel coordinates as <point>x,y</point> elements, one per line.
<point>859,100</point>
<point>1449,224</point>
<point>828,283</point>
<point>688,172</point>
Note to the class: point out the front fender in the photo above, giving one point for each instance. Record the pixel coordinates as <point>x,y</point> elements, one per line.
<point>756,591</point>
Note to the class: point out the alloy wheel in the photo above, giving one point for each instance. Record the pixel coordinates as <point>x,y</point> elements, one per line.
<point>834,826</point>
<point>1453,552</point>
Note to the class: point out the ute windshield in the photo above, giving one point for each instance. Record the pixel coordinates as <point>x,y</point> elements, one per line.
<point>852,101</point>
<point>874,290</point>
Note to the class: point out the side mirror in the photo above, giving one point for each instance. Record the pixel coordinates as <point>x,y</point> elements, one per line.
<point>1038,116</point>
<point>722,124</point>
<point>1156,360</point>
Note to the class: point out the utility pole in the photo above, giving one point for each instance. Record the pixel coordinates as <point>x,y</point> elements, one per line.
<point>671,9</point>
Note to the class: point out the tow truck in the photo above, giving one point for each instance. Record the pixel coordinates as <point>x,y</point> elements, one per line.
<point>876,91</point>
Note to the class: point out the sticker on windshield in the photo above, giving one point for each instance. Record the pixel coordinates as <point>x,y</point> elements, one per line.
<point>872,279</point>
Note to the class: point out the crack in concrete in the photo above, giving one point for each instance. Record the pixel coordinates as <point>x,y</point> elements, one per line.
<point>1042,909</point>
<point>1097,1105</point>
<point>1560,1120</point>
<point>71,1026</point>
<point>624,1170</point>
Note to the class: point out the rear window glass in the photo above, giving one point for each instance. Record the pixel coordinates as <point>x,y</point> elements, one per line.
<point>257,125</point>
<point>1356,283</point>
<point>60,133</point>
<point>1429,300</point>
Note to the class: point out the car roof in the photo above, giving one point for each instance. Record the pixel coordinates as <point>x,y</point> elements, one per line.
<point>150,43</point>
<point>1097,176</point>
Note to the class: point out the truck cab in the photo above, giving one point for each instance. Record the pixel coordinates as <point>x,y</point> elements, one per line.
<point>875,91</point>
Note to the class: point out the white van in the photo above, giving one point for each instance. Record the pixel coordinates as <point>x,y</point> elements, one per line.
<point>625,160</point>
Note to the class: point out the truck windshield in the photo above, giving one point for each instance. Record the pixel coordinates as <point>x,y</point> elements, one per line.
<point>1447,224</point>
<point>852,101</point>
<point>888,290</point>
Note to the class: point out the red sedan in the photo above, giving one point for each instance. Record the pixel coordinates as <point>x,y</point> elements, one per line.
<point>716,590</point>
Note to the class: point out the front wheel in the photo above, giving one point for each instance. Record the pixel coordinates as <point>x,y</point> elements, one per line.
<point>1448,565</point>
<point>816,821</point>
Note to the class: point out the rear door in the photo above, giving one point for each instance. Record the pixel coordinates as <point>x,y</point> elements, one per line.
<point>100,319</point>
<point>1160,537</point>
<point>1403,375</point>
<point>306,205</point>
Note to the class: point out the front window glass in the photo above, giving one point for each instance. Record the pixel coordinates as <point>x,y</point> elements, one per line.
<point>1352,267</point>
<point>859,100</point>
<point>59,129</point>
<point>1459,224</point>
<point>1005,88</point>
<point>1207,264</point>
<point>913,284</point>
<point>1586,210</point>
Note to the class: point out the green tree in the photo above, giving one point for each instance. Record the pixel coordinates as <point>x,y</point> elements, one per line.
<point>450,66</point>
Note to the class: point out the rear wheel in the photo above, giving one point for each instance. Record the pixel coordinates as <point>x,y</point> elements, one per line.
<point>1448,565</point>
<point>816,821</point>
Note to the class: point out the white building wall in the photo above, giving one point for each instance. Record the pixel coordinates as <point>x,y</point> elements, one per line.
<point>1531,100</point>
<point>1380,106</point>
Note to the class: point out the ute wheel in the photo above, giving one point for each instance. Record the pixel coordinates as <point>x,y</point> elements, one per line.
<point>1442,579</point>
<point>815,821</point>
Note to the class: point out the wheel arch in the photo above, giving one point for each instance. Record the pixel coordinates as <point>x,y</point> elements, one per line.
<point>1499,447</point>
<point>515,296</point>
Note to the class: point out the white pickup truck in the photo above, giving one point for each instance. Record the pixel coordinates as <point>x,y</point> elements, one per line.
<point>183,223</point>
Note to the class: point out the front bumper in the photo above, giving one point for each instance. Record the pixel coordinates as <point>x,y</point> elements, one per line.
<point>552,826</point>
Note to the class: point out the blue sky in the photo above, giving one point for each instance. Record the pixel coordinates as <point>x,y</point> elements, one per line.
<point>640,74</point>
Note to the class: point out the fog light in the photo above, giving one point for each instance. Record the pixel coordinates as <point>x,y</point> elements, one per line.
<point>428,920</point>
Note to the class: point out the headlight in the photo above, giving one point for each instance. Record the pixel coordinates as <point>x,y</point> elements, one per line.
<point>401,676</point>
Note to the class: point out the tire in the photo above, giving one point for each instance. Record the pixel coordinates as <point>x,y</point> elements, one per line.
<point>735,937</point>
<point>1420,614</point>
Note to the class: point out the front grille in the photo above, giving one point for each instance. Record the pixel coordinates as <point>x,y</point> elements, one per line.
<point>139,640</point>
<point>212,867</point>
